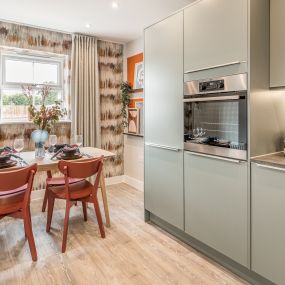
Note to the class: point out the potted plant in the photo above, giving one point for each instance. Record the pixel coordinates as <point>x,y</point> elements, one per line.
<point>125,99</point>
<point>43,117</point>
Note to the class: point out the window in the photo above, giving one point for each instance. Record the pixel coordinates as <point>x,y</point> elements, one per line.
<point>20,69</point>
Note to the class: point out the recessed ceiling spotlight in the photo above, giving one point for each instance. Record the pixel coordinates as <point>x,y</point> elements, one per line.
<point>115,5</point>
<point>88,26</point>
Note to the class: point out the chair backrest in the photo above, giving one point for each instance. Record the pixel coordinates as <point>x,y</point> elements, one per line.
<point>10,180</point>
<point>81,168</point>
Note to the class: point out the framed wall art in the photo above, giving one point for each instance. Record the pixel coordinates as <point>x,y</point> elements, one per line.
<point>133,121</point>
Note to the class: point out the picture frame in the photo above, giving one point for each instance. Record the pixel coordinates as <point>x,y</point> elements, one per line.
<point>133,120</point>
<point>139,76</point>
<point>140,106</point>
<point>131,63</point>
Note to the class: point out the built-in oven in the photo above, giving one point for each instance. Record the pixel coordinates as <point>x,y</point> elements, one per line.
<point>215,116</point>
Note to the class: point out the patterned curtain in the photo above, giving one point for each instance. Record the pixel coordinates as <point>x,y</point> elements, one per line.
<point>110,60</point>
<point>84,89</point>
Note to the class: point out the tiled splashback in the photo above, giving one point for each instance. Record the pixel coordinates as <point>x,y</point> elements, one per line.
<point>219,119</point>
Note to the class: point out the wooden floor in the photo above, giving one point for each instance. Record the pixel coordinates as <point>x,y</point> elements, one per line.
<point>133,252</point>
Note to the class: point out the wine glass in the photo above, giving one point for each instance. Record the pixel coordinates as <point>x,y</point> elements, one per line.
<point>78,140</point>
<point>19,145</point>
<point>202,132</point>
<point>52,141</point>
<point>195,133</point>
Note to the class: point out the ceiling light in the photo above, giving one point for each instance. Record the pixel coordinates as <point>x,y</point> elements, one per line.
<point>115,5</point>
<point>87,26</point>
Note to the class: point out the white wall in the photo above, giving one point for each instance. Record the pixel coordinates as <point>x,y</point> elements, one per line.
<point>134,146</point>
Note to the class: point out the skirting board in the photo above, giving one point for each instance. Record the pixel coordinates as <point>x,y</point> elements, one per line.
<point>39,194</point>
<point>138,184</point>
<point>126,179</point>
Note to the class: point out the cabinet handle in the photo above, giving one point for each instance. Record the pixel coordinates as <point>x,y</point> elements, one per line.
<point>214,157</point>
<point>215,66</point>
<point>220,98</point>
<point>162,147</point>
<point>270,167</point>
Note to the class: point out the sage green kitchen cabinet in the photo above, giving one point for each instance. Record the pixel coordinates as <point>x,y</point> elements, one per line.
<point>164,120</point>
<point>268,222</point>
<point>164,82</point>
<point>215,34</point>
<point>277,43</point>
<point>216,210</point>
<point>164,184</point>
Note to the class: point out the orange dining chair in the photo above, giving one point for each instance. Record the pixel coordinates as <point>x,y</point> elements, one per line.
<point>54,181</point>
<point>82,191</point>
<point>15,193</point>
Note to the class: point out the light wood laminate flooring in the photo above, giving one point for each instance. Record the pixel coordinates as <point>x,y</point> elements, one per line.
<point>133,251</point>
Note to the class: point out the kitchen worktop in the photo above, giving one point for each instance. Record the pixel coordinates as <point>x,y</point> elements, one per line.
<point>276,159</point>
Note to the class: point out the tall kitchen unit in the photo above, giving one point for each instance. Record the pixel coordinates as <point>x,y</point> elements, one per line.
<point>164,120</point>
<point>204,193</point>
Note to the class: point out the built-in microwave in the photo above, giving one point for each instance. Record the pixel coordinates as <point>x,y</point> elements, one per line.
<point>215,116</point>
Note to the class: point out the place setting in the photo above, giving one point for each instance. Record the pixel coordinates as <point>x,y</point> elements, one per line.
<point>10,157</point>
<point>66,151</point>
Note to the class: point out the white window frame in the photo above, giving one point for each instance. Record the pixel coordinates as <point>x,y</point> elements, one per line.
<point>4,85</point>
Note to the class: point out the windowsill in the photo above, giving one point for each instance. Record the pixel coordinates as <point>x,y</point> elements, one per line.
<point>27,122</point>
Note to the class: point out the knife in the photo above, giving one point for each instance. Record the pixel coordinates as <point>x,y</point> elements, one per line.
<point>58,152</point>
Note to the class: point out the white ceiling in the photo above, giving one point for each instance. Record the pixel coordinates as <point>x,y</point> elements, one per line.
<point>124,24</point>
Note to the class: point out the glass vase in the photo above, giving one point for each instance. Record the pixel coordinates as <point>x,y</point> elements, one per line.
<point>39,137</point>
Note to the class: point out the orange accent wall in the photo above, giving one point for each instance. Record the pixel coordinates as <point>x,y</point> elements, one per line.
<point>131,67</point>
<point>134,101</point>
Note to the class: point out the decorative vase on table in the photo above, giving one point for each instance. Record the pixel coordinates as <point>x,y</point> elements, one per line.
<point>44,117</point>
<point>39,137</point>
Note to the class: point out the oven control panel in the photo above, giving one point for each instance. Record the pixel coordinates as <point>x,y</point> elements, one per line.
<point>214,85</point>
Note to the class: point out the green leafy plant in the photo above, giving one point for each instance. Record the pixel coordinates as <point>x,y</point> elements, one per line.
<point>43,117</point>
<point>125,89</point>
<point>17,100</point>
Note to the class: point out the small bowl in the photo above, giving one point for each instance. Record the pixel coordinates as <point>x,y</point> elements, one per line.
<point>4,157</point>
<point>69,151</point>
<point>58,147</point>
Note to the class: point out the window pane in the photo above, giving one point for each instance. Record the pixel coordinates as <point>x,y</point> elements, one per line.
<point>46,73</point>
<point>14,105</point>
<point>19,71</point>
<point>50,100</point>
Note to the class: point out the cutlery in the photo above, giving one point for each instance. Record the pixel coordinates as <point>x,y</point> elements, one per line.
<point>57,153</point>
<point>20,159</point>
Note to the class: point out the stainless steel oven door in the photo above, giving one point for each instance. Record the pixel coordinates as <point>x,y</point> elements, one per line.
<point>223,118</point>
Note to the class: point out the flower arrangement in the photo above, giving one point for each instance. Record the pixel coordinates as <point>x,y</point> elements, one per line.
<point>44,117</point>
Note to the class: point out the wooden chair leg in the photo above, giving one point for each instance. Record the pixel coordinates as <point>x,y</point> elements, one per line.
<point>30,222</point>
<point>84,207</point>
<point>104,199</point>
<point>50,211</point>
<point>46,193</point>
<point>99,217</point>
<point>45,200</point>
<point>65,228</point>
<point>29,233</point>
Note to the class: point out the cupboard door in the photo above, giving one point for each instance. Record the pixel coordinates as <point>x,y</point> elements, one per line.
<point>268,222</point>
<point>215,34</point>
<point>164,82</point>
<point>277,43</point>
<point>164,184</point>
<point>216,204</point>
